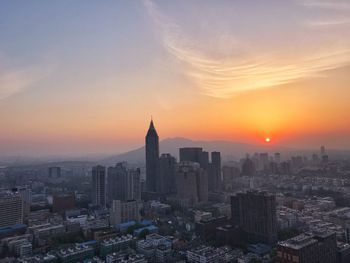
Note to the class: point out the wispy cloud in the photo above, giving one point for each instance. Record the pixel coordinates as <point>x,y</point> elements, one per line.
<point>13,81</point>
<point>339,12</point>
<point>339,5</point>
<point>225,77</point>
<point>328,23</point>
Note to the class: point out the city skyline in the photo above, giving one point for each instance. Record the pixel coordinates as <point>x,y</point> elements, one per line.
<point>81,82</point>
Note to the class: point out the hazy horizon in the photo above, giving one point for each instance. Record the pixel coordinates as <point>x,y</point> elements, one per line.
<point>90,155</point>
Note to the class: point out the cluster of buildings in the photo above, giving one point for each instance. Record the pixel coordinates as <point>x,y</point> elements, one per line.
<point>194,209</point>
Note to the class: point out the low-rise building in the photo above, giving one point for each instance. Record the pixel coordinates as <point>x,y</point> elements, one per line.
<point>117,244</point>
<point>316,247</point>
<point>74,254</point>
<point>156,248</point>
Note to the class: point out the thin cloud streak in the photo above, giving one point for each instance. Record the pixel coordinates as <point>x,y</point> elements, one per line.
<point>224,78</point>
<point>17,80</point>
<point>326,4</point>
<point>329,23</point>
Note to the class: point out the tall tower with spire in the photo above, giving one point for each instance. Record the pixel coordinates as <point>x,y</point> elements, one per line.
<point>152,155</point>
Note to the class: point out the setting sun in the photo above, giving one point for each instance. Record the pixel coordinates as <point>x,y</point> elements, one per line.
<point>267,140</point>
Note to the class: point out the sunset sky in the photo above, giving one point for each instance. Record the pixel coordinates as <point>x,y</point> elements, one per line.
<point>84,76</point>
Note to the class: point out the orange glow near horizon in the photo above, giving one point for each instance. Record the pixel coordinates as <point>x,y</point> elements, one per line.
<point>243,78</point>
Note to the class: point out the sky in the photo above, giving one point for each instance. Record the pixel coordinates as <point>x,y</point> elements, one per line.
<point>82,76</point>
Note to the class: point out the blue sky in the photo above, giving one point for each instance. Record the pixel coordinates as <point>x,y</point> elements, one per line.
<point>85,76</point>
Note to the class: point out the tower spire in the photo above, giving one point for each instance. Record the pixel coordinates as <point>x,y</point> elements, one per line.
<point>151,125</point>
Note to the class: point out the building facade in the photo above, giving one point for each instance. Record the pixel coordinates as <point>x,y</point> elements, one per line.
<point>11,209</point>
<point>152,155</point>
<point>255,213</point>
<point>121,212</point>
<point>191,183</point>
<point>99,186</point>
<point>313,247</point>
<point>166,174</point>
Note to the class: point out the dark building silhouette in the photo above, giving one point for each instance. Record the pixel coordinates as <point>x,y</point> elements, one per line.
<point>192,183</point>
<point>314,247</point>
<point>99,186</point>
<point>63,202</point>
<point>152,155</point>
<point>212,169</point>
<point>285,167</point>
<point>229,173</point>
<point>195,154</point>
<point>206,229</point>
<point>277,158</point>
<point>263,161</point>
<point>54,172</point>
<point>214,175</point>
<point>255,213</point>
<point>248,167</point>
<point>166,174</point>
<point>116,182</point>
<point>204,161</point>
<point>123,183</point>
<point>325,159</point>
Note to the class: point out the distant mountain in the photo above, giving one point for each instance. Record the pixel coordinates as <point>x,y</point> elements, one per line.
<point>229,149</point>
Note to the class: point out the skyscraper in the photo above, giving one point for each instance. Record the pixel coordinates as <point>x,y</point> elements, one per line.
<point>11,209</point>
<point>255,213</point>
<point>263,161</point>
<point>152,155</point>
<point>123,183</point>
<point>54,172</point>
<point>195,154</point>
<point>278,158</point>
<point>133,184</point>
<point>192,183</point>
<point>99,186</point>
<point>116,182</point>
<point>215,172</point>
<point>121,212</point>
<point>248,167</point>
<point>166,174</point>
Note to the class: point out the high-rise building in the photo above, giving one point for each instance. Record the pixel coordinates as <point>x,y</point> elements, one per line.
<point>325,159</point>
<point>263,161</point>
<point>116,182</point>
<point>133,184</point>
<point>152,155</point>
<point>26,194</point>
<point>195,154</point>
<point>230,173</point>
<point>248,167</point>
<point>204,161</point>
<point>99,186</point>
<point>191,182</point>
<point>255,213</point>
<point>63,202</point>
<point>123,183</point>
<point>323,150</point>
<point>313,247</point>
<point>11,209</point>
<point>54,172</point>
<point>277,158</point>
<point>121,212</point>
<point>214,173</point>
<point>285,167</point>
<point>166,174</point>
<point>297,162</point>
